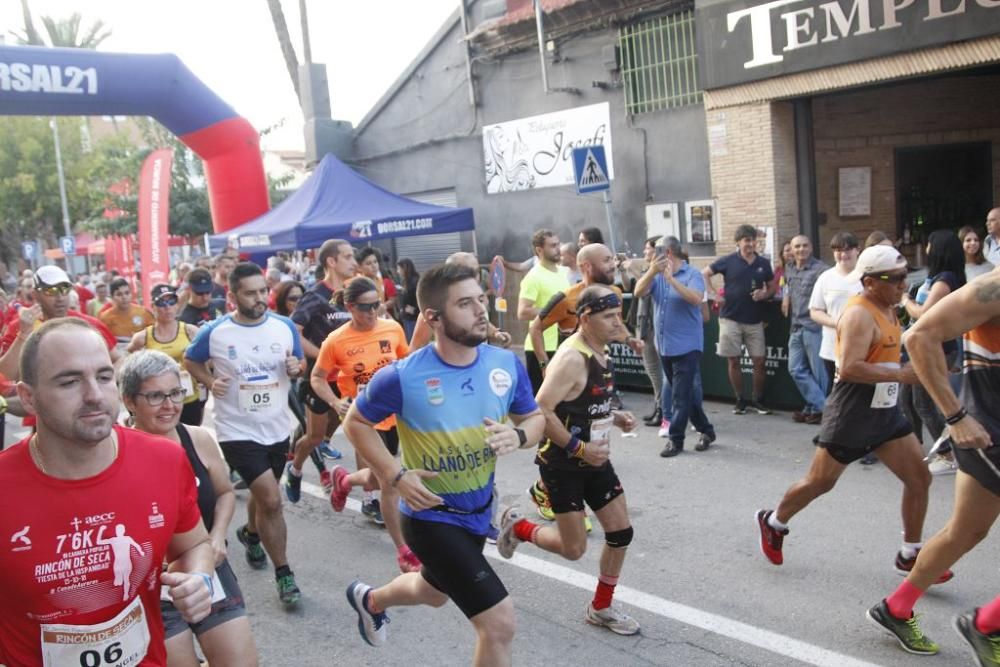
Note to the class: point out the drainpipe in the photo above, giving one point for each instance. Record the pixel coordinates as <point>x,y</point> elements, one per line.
<point>541,44</point>
<point>468,55</point>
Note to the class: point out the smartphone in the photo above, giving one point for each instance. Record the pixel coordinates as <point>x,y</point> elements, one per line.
<point>661,251</point>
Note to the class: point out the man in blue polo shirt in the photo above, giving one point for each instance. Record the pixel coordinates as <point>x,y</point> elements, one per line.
<point>747,278</point>
<point>677,291</point>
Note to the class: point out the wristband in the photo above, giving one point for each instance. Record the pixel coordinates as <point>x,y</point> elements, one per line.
<point>957,417</point>
<point>573,446</point>
<point>399,476</point>
<point>208,582</point>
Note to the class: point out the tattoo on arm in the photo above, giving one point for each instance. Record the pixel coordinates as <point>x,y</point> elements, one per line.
<point>988,291</point>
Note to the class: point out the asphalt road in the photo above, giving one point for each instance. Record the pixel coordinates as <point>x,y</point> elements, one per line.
<point>694,576</point>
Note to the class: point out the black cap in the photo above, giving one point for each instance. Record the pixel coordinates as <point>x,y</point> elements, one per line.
<point>200,281</point>
<point>162,290</point>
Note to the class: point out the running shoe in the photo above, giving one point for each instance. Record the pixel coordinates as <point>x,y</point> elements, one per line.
<point>904,566</point>
<point>373,510</point>
<point>340,490</point>
<point>507,541</point>
<point>740,408</point>
<point>664,428</point>
<point>288,592</point>
<point>540,497</point>
<point>671,449</point>
<point>985,648</point>
<point>255,555</point>
<point>759,408</point>
<point>704,442</point>
<point>408,561</point>
<point>771,539</point>
<point>293,484</point>
<point>326,480</point>
<point>329,452</point>
<point>370,626</point>
<point>907,632</point>
<point>943,466</point>
<point>612,618</point>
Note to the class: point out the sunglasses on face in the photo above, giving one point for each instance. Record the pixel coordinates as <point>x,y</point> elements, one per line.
<point>55,290</point>
<point>367,307</point>
<point>889,278</point>
<point>166,302</point>
<point>156,398</point>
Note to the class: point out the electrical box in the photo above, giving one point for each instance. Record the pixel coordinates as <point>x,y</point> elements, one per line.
<point>662,220</point>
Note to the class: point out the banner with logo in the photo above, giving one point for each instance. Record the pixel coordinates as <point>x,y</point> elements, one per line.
<point>154,216</point>
<point>537,152</point>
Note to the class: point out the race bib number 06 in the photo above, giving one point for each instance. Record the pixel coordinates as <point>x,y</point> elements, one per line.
<point>258,397</point>
<point>121,641</point>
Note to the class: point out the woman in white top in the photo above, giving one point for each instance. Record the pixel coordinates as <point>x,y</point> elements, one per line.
<point>830,295</point>
<point>975,263</point>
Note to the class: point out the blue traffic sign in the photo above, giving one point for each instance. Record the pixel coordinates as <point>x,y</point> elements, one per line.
<point>498,277</point>
<point>590,169</point>
<point>68,245</point>
<point>29,250</point>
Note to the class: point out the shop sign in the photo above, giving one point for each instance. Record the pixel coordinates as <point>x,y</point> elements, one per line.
<point>537,152</point>
<point>743,41</point>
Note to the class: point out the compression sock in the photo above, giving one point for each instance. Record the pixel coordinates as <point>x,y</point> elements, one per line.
<point>605,590</point>
<point>901,602</point>
<point>910,549</point>
<point>988,617</point>
<point>772,521</point>
<point>525,530</point>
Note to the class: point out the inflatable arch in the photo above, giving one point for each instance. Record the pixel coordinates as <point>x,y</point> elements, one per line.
<point>37,81</point>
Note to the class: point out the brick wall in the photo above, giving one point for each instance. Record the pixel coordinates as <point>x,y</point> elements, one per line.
<point>864,128</point>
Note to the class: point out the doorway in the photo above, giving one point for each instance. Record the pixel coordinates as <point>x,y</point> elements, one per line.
<point>942,187</point>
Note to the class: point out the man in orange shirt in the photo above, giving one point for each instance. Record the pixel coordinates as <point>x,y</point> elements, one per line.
<point>125,318</point>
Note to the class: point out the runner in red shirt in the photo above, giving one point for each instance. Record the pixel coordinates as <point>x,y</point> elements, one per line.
<point>100,507</point>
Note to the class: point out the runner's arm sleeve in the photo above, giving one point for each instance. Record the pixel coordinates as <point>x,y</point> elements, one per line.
<point>383,396</point>
<point>523,402</point>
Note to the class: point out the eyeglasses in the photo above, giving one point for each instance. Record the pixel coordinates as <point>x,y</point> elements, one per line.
<point>165,302</point>
<point>893,279</point>
<point>367,307</point>
<point>293,298</point>
<point>55,290</point>
<point>155,398</point>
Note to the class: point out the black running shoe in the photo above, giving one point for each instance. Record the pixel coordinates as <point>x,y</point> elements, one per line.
<point>985,648</point>
<point>907,632</point>
<point>740,408</point>
<point>254,551</point>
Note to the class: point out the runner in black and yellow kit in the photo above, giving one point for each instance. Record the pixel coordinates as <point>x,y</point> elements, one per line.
<point>573,459</point>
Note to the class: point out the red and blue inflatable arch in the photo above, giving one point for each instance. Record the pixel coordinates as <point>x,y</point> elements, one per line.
<point>37,81</point>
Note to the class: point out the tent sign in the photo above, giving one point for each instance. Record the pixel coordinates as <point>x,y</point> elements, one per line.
<point>590,169</point>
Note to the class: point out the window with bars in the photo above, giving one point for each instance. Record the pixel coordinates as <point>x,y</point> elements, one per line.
<point>659,63</point>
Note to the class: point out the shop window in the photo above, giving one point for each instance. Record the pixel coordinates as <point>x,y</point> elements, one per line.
<point>659,63</point>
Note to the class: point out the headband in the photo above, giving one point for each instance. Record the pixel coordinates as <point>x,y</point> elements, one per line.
<point>597,305</point>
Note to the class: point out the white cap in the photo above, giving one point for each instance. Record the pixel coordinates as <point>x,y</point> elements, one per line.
<point>877,259</point>
<point>51,275</point>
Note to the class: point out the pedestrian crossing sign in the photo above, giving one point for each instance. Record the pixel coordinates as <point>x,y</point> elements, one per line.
<point>590,169</point>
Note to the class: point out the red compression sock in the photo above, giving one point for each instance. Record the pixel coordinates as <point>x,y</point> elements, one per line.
<point>525,531</point>
<point>605,591</point>
<point>903,599</point>
<point>988,617</point>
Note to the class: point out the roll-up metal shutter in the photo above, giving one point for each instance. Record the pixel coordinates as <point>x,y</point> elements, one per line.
<point>430,249</point>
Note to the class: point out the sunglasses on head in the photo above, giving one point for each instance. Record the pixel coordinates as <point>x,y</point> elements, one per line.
<point>55,290</point>
<point>367,307</point>
<point>166,301</point>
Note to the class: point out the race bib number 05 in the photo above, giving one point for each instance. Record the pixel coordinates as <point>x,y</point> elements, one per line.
<point>121,641</point>
<point>258,397</point>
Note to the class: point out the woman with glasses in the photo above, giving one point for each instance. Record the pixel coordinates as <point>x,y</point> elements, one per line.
<point>352,354</point>
<point>169,335</point>
<point>150,385</point>
<point>286,296</point>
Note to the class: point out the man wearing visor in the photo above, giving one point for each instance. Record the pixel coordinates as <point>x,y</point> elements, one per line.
<point>573,458</point>
<point>51,290</point>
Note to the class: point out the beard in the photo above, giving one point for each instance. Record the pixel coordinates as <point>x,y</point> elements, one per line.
<point>462,336</point>
<point>602,278</point>
<point>253,312</point>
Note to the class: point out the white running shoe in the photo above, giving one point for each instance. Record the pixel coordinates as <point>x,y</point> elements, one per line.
<point>507,541</point>
<point>614,619</point>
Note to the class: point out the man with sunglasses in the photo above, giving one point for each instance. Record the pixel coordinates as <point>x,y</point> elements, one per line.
<point>50,292</point>
<point>200,308</point>
<point>862,414</point>
<point>125,318</point>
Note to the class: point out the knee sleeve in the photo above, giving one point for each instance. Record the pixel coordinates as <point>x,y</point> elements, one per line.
<point>619,539</point>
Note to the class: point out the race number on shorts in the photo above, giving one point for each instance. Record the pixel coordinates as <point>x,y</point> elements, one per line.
<point>886,394</point>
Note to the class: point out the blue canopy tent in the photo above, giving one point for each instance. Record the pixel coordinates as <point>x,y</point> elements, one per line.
<point>337,202</point>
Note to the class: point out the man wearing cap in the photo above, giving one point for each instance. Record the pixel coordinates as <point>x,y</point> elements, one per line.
<point>200,308</point>
<point>125,318</point>
<point>51,288</point>
<point>862,414</point>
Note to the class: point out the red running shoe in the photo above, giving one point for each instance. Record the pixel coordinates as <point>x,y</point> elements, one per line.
<point>326,480</point>
<point>341,488</point>
<point>770,538</point>
<point>904,566</point>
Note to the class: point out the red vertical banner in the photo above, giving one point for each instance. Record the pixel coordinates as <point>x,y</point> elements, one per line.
<point>154,216</point>
<point>126,259</point>
<point>110,253</point>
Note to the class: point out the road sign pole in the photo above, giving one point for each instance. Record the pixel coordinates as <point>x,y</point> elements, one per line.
<point>611,222</point>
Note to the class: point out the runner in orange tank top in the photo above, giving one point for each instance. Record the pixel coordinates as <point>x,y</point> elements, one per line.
<point>862,414</point>
<point>975,432</point>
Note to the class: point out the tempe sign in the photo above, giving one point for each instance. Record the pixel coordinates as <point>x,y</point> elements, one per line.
<point>745,41</point>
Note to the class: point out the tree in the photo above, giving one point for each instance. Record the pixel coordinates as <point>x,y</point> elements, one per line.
<point>62,32</point>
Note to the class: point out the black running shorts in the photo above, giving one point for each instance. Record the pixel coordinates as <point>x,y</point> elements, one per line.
<point>230,607</point>
<point>391,440</point>
<point>570,489</point>
<point>982,464</point>
<point>251,459</point>
<point>454,564</point>
<point>316,404</point>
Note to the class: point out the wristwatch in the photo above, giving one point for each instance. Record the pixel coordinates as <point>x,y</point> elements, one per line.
<point>521,436</point>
